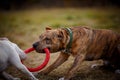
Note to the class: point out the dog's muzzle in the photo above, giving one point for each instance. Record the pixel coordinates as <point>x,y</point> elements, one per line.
<point>35,45</point>
<point>37,48</point>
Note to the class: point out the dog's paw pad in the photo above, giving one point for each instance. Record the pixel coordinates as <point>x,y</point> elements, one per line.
<point>61,78</point>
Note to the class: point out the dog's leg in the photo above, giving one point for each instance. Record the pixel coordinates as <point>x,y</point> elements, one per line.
<point>17,63</point>
<point>79,59</point>
<point>7,76</point>
<point>61,59</point>
<point>100,64</point>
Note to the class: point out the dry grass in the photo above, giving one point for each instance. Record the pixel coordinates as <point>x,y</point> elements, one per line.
<point>24,27</point>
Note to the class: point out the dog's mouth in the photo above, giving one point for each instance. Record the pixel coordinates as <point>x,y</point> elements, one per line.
<point>41,50</point>
<point>38,48</point>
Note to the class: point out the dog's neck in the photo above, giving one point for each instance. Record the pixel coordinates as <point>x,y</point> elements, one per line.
<point>69,41</point>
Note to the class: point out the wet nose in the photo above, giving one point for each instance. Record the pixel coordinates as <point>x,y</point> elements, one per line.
<point>35,44</point>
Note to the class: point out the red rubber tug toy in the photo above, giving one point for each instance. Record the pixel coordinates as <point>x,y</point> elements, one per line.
<point>41,66</point>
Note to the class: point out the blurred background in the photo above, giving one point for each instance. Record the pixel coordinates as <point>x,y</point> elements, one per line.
<point>22,21</point>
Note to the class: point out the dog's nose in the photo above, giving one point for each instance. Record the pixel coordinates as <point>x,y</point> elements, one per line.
<point>35,44</point>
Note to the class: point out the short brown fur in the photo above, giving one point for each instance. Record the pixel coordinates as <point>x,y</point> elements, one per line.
<point>87,44</point>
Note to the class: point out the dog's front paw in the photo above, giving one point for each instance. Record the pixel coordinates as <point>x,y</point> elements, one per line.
<point>94,66</point>
<point>61,78</point>
<point>117,71</point>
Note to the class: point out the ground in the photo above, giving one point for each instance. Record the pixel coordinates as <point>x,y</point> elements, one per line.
<point>23,27</point>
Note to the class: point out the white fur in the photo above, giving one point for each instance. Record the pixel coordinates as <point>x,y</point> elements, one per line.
<point>10,53</point>
<point>61,78</point>
<point>117,71</point>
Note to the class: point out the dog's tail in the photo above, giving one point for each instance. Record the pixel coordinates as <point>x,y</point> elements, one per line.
<point>118,39</point>
<point>119,43</point>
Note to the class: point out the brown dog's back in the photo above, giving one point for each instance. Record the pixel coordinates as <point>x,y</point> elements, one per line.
<point>98,43</point>
<point>105,45</point>
<point>85,44</point>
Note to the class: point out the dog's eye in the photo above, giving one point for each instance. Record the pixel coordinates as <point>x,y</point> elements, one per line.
<point>48,41</point>
<point>60,37</point>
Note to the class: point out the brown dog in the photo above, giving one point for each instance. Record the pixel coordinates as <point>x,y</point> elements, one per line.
<point>81,42</point>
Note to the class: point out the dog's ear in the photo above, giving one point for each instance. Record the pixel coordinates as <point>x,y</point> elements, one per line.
<point>60,35</point>
<point>48,28</point>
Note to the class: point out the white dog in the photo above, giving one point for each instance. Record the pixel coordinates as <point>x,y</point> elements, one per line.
<point>10,53</point>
